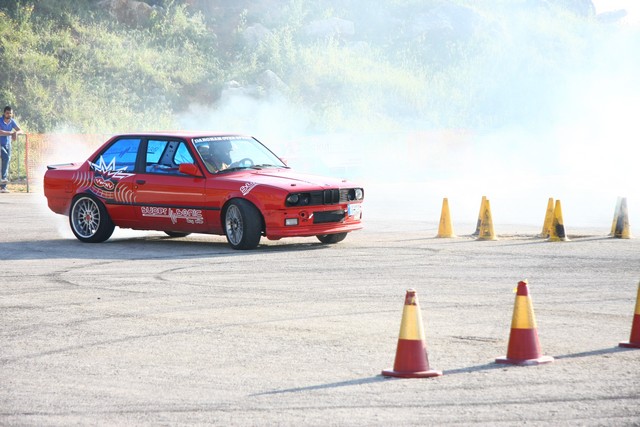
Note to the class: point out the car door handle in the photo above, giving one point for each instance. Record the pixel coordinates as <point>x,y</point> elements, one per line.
<point>140,181</point>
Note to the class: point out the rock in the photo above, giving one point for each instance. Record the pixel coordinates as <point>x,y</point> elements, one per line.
<point>232,84</point>
<point>130,12</point>
<point>233,89</point>
<point>271,81</point>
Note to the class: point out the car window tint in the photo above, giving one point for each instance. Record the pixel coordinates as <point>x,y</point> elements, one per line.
<point>155,150</point>
<point>182,155</point>
<point>165,157</point>
<point>121,155</point>
<point>154,163</point>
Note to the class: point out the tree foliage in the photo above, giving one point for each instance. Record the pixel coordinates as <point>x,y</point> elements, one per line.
<point>71,65</point>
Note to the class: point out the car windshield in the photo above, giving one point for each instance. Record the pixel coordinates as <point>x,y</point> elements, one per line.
<point>228,153</point>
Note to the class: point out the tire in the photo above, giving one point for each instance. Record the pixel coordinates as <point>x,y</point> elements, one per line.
<point>89,220</point>
<point>331,238</point>
<point>176,234</point>
<point>242,224</point>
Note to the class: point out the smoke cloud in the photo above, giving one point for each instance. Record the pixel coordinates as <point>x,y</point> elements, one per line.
<point>577,141</point>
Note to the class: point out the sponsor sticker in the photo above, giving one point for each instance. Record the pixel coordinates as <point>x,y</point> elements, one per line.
<point>247,187</point>
<point>191,216</point>
<point>105,182</point>
<point>216,138</point>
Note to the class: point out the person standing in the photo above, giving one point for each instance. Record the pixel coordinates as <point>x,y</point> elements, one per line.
<point>8,130</point>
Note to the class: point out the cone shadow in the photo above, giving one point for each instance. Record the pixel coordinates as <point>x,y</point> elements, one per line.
<point>485,367</point>
<point>358,381</point>
<point>592,353</point>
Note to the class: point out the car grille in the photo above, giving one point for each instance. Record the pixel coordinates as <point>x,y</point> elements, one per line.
<point>329,197</point>
<point>328,216</point>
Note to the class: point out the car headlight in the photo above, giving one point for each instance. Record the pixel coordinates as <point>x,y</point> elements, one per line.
<point>356,194</point>
<point>297,199</point>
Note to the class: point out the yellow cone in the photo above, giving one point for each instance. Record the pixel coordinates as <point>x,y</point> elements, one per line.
<point>486,225</point>
<point>616,212</point>
<point>557,233</point>
<point>446,228</point>
<point>621,230</point>
<point>548,220</point>
<point>477,232</point>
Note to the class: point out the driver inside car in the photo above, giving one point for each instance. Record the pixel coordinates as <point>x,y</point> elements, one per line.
<point>216,155</point>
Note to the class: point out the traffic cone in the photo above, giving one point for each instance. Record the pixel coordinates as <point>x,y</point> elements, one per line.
<point>486,226</point>
<point>446,228</point>
<point>616,212</point>
<point>557,233</point>
<point>621,230</point>
<point>412,360</point>
<point>524,345</point>
<point>634,340</point>
<point>548,220</point>
<point>477,232</point>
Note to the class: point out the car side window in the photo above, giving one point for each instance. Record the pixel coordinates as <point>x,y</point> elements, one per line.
<point>154,161</point>
<point>155,150</point>
<point>165,157</point>
<point>120,156</point>
<point>183,155</point>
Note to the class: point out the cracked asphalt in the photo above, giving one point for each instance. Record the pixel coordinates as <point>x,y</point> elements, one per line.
<point>148,330</point>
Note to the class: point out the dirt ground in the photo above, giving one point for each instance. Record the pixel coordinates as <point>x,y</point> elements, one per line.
<point>144,329</point>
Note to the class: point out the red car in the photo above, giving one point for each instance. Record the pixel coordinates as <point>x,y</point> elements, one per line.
<point>183,183</point>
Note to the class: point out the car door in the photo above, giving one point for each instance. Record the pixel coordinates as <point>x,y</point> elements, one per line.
<point>113,177</point>
<point>167,199</point>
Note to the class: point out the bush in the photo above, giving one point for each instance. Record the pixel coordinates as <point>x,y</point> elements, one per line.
<point>429,64</point>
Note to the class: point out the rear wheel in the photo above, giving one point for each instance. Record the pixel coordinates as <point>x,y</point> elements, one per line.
<point>176,234</point>
<point>242,224</point>
<point>89,220</point>
<point>331,238</point>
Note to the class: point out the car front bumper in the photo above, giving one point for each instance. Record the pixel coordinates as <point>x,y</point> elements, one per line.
<point>313,221</point>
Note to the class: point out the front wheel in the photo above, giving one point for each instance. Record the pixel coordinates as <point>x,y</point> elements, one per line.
<point>242,224</point>
<point>89,220</point>
<point>331,238</point>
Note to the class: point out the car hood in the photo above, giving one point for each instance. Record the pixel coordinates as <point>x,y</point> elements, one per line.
<point>289,180</point>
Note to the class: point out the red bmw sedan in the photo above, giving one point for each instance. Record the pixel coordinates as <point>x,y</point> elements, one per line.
<point>185,182</point>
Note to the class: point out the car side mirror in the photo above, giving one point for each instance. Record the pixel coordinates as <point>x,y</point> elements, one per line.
<point>189,169</point>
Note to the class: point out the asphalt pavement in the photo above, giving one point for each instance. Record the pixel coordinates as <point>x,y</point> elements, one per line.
<point>148,330</point>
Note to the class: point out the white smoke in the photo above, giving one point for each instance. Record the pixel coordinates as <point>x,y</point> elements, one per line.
<point>587,160</point>
<point>65,145</point>
<point>582,149</point>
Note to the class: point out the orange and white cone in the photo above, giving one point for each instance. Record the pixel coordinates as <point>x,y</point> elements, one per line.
<point>634,340</point>
<point>412,360</point>
<point>524,345</point>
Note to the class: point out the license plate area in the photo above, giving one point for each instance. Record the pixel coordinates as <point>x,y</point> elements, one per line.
<point>354,210</point>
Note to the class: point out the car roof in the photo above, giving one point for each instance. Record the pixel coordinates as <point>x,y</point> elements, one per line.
<point>183,134</point>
